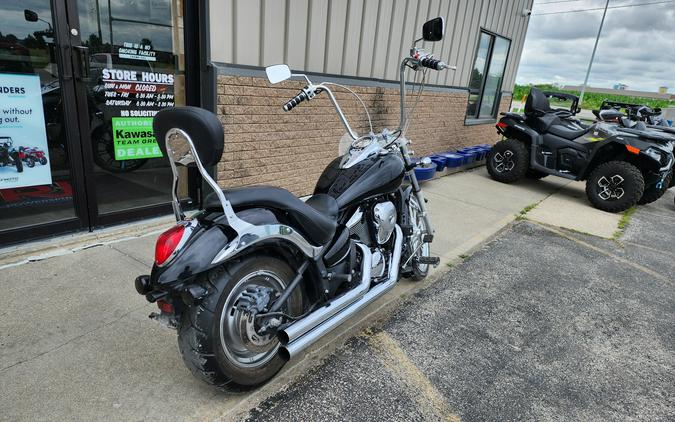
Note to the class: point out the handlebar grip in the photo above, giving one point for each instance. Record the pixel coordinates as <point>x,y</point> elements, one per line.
<point>302,96</point>
<point>432,63</point>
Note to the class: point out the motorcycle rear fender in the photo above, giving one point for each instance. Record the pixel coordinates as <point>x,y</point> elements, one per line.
<point>194,258</point>
<point>211,244</point>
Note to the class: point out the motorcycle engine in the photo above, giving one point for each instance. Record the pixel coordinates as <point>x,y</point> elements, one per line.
<point>384,216</point>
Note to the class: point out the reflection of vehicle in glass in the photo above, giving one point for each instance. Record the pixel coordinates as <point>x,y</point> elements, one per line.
<point>99,123</point>
<point>9,156</point>
<point>32,155</point>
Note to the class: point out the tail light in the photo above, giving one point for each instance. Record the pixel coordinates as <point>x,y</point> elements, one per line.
<point>165,306</point>
<point>501,125</point>
<point>167,243</point>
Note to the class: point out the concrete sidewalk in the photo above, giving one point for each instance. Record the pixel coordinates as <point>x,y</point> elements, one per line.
<point>76,342</point>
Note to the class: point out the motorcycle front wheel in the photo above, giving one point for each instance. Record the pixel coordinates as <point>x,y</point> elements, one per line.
<point>219,342</point>
<point>418,271</point>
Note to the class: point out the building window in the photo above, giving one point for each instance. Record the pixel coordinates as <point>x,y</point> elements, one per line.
<point>491,56</point>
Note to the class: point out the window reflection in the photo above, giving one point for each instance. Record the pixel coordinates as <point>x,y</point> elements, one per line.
<point>486,76</point>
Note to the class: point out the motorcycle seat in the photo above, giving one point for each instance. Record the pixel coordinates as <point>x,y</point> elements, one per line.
<point>566,132</point>
<point>316,218</point>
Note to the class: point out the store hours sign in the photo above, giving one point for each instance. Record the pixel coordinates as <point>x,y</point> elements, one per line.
<point>134,97</point>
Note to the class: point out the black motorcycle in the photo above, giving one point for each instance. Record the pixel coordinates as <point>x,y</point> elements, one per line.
<point>9,156</point>
<point>259,275</point>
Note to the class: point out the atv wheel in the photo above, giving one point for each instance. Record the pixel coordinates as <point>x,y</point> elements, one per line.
<point>652,193</point>
<point>219,343</point>
<point>535,174</point>
<point>615,186</point>
<point>17,162</point>
<point>508,161</point>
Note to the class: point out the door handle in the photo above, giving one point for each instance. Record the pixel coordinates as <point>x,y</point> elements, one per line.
<point>84,69</point>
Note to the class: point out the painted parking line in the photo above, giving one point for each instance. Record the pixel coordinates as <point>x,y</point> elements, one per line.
<point>397,362</point>
<point>606,253</point>
<point>649,248</point>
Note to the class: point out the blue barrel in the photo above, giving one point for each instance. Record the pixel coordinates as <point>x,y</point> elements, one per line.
<point>453,160</point>
<point>424,173</point>
<point>469,157</point>
<point>440,162</point>
<point>480,153</point>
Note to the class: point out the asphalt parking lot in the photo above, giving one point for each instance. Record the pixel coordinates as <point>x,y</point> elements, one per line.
<point>541,323</point>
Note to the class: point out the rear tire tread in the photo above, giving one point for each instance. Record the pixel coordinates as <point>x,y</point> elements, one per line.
<point>198,340</point>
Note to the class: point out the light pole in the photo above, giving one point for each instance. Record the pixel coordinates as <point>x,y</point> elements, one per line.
<point>595,47</point>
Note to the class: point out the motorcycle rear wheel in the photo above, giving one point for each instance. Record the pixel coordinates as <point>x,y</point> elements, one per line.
<point>215,338</point>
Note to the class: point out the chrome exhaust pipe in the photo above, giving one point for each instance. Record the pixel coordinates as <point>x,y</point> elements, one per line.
<point>294,347</point>
<point>299,328</point>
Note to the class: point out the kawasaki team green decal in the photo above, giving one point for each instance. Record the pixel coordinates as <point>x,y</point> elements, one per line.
<point>133,138</point>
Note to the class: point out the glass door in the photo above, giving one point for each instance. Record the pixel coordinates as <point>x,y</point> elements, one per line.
<point>39,148</point>
<point>80,81</point>
<point>136,68</point>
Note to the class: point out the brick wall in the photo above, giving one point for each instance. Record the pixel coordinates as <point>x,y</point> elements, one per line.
<point>265,145</point>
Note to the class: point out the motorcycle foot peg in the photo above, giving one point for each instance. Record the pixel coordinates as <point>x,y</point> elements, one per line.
<point>431,260</point>
<point>428,238</point>
<point>407,229</point>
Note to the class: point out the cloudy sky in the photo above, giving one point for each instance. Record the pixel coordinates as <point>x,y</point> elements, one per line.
<point>637,45</point>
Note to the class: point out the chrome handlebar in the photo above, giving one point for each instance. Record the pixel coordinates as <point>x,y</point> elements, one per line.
<point>417,59</point>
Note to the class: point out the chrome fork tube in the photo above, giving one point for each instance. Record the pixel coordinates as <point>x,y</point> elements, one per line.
<point>417,190</point>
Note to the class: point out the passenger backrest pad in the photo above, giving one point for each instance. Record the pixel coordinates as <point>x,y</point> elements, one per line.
<point>202,126</point>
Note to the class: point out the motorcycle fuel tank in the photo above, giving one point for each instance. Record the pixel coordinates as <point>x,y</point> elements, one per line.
<point>373,176</point>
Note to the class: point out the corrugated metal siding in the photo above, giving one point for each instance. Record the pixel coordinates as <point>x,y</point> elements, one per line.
<point>364,38</point>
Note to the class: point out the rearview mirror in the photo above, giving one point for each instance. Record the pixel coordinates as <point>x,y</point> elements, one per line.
<point>30,16</point>
<point>278,73</point>
<point>434,29</point>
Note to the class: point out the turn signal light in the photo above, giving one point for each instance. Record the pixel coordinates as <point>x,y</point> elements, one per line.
<point>167,243</point>
<point>633,150</point>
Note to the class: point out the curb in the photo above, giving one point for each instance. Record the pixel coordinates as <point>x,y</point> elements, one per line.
<point>62,245</point>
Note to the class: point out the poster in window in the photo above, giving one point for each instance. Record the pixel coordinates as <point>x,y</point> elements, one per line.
<point>24,156</point>
<point>133,98</point>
